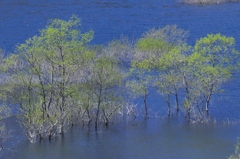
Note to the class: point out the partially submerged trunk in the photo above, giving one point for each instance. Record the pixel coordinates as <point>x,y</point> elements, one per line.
<point>177,103</point>
<point>169,105</point>
<point>145,103</point>
<point>108,116</point>
<point>98,108</point>
<point>88,121</point>
<point>209,98</point>
<point>105,117</point>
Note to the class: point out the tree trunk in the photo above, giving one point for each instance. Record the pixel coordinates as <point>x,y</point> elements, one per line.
<point>169,105</point>
<point>207,103</point>
<point>187,97</point>
<point>177,102</point>
<point>89,117</point>
<point>189,113</point>
<point>145,103</point>
<point>106,118</point>
<point>96,121</point>
<point>98,107</point>
<point>209,98</point>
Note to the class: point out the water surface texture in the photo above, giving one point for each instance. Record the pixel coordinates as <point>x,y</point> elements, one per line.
<point>154,138</point>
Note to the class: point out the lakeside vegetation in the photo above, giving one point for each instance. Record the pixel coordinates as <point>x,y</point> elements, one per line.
<point>208,1</point>
<point>236,154</point>
<point>57,79</point>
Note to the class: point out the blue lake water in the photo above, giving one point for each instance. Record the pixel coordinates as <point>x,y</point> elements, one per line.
<point>154,138</point>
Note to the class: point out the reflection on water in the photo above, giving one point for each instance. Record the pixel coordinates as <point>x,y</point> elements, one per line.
<point>152,138</point>
<point>110,19</point>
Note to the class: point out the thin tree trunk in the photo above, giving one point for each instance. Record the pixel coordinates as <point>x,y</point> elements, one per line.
<point>62,91</point>
<point>98,107</point>
<point>89,117</point>
<point>145,103</point>
<point>187,97</point>
<point>189,113</point>
<point>106,118</point>
<point>169,105</point>
<point>207,103</point>
<point>177,102</point>
<point>209,98</point>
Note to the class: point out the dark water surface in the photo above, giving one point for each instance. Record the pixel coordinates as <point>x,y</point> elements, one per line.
<point>151,139</point>
<point>154,138</point>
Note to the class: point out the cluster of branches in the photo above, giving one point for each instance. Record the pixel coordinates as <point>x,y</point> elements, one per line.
<point>57,79</point>
<point>5,111</point>
<point>189,75</point>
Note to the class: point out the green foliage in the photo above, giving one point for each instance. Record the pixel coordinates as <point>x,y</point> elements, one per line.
<point>150,44</point>
<point>156,42</point>
<point>5,111</point>
<point>171,34</point>
<point>105,79</point>
<point>200,70</point>
<point>214,60</point>
<point>141,82</point>
<point>120,49</point>
<point>144,64</point>
<point>236,155</point>
<point>56,78</point>
<point>161,54</point>
<point>172,59</point>
<point>216,49</point>
<point>51,66</point>
<point>171,68</point>
<point>105,70</point>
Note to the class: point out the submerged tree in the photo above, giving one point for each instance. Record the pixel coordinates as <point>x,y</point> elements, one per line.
<point>53,63</point>
<point>199,71</point>
<point>4,131</point>
<point>105,79</point>
<point>160,52</point>
<point>58,80</point>
<point>216,60</point>
<point>146,50</point>
<point>4,109</point>
<point>171,67</point>
<point>139,84</point>
<point>121,50</point>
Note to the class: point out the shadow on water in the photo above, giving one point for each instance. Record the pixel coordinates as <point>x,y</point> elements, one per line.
<point>138,138</point>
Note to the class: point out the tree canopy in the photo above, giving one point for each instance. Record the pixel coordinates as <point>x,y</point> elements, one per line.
<point>57,79</point>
